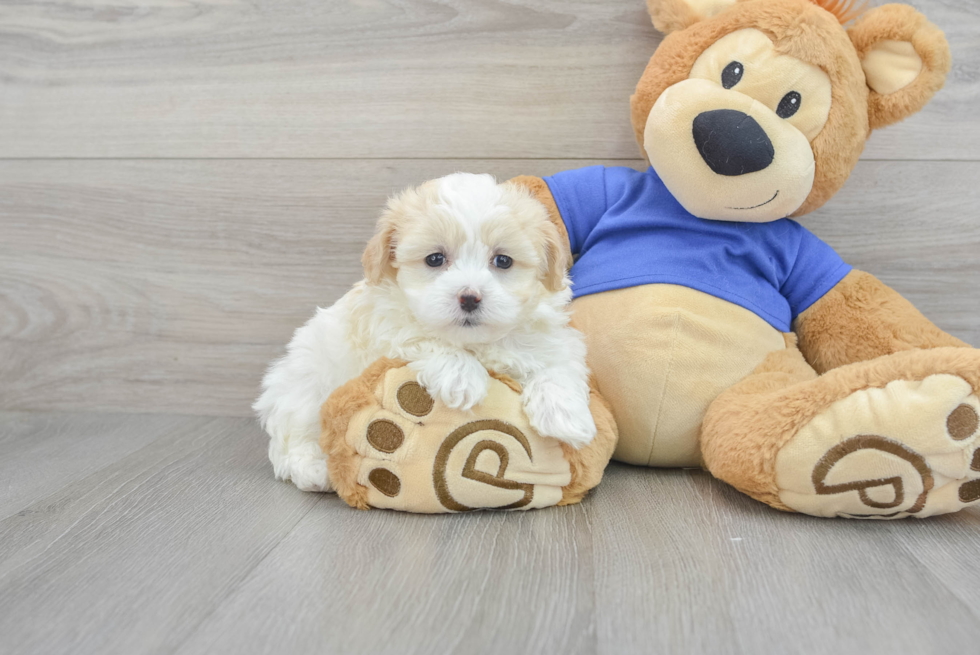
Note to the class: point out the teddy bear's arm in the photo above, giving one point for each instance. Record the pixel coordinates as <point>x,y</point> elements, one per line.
<point>540,189</point>
<point>861,319</point>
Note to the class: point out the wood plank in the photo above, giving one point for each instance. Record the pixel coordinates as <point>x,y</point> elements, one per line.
<point>379,78</point>
<point>42,452</point>
<point>942,557</point>
<point>132,557</point>
<point>685,564</point>
<point>187,545</point>
<point>168,286</point>
<point>381,582</point>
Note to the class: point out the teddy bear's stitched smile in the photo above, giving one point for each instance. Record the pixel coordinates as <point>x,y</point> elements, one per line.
<point>757,206</point>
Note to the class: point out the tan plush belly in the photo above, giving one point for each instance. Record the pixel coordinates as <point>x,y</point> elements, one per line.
<point>661,353</point>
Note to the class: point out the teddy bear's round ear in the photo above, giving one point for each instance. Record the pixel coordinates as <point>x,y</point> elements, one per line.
<point>672,15</point>
<point>905,60</point>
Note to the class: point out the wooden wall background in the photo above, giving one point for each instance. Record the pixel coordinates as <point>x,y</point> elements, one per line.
<point>182,182</point>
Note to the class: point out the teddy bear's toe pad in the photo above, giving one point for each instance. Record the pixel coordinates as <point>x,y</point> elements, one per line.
<point>409,452</point>
<point>907,449</point>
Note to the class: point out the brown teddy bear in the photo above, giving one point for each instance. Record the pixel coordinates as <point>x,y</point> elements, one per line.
<point>720,332</point>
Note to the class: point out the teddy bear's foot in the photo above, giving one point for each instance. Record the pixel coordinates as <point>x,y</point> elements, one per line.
<point>910,448</point>
<point>391,445</point>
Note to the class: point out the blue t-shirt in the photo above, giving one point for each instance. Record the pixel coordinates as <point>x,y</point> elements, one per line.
<point>628,230</point>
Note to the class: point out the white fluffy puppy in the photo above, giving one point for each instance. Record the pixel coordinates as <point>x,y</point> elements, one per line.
<point>463,275</point>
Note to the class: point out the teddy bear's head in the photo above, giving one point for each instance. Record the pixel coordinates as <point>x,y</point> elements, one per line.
<point>753,110</point>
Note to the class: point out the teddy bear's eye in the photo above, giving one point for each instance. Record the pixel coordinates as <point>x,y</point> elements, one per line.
<point>789,105</point>
<point>732,74</point>
<point>435,260</point>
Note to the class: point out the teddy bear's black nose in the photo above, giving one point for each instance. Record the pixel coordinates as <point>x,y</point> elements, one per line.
<point>732,143</point>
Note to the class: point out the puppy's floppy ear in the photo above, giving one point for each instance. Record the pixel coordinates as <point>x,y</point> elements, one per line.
<point>905,60</point>
<point>379,254</point>
<point>556,257</point>
<point>673,15</point>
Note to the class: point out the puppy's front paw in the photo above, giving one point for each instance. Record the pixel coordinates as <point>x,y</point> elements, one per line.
<point>560,409</point>
<point>309,473</point>
<point>458,380</point>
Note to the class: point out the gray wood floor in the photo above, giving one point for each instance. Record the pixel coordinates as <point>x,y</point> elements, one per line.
<point>182,182</point>
<point>158,533</point>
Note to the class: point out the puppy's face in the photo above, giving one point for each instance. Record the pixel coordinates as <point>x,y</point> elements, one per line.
<point>473,258</point>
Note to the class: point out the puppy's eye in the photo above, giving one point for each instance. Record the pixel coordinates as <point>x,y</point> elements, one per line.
<point>502,261</point>
<point>732,74</point>
<point>789,105</point>
<point>435,260</point>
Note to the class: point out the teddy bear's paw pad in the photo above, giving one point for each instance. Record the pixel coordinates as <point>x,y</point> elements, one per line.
<point>907,449</point>
<point>385,481</point>
<point>385,435</point>
<point>412,453</point>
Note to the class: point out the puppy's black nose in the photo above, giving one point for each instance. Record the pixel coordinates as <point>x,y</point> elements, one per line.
<point>468,303</point>
<point>732,143</point>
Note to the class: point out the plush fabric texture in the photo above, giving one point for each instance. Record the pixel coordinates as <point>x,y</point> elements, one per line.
<point>747,426</point>
<point>671,15</point>
<point>888,452</point>
<point>802,30</point>
<point>391,445</point>
<point>890,66</point>
<point>875,414</point>
<point>627,229</point>
<point>673,364</point>
<point>745,161</point>
<point>335,415</point>
<point>661,353</point>
<point>843,10</point>
<point>902,23</point>
<point>862,319</point>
